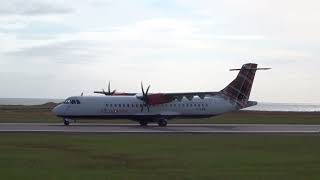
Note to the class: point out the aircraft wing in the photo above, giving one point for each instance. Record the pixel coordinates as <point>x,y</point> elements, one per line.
<point>161,98</point>
<point>190,95</point>
<point>115,93</point>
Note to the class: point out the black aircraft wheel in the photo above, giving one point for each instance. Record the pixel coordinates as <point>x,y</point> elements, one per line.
<point>143,123</point>
<point>162,123</point>
<point>66,122</point>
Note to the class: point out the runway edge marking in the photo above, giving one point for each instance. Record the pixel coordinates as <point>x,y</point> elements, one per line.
<point>174,132</point>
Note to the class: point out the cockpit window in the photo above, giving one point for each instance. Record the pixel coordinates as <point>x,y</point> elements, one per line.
<point>71,101</point>
<point>67,101</point>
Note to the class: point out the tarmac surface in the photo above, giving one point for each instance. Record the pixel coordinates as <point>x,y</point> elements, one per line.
<point>153,128</point>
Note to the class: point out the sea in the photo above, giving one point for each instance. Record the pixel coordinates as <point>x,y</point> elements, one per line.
<point>27,101</point>
<point>262,106</point>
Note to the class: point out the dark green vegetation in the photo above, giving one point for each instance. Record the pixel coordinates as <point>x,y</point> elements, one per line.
<point>43,114</point>
<point>158,156</point>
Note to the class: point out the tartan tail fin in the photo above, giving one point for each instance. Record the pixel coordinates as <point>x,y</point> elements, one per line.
<point>240,88</point>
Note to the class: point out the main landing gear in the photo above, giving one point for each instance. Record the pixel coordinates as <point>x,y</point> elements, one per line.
<point>66,121</point>
<point>161,122</point>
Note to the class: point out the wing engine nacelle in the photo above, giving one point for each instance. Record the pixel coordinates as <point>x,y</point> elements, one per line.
<point>158,98</point>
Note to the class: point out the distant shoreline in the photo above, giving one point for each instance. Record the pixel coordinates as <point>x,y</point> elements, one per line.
<point>49,105</point>
<point>261,107</point>
<point>43,113</point>
<point>27,101</point>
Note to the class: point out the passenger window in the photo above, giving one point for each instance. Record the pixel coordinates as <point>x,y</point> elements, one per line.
<point>115,105</point>
<point>107,105</point>
<point>110,105</point>
<point>128,105</point>
<point>119,105</point>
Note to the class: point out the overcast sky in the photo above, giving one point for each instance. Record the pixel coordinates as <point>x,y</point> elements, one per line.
<point>62,48</point>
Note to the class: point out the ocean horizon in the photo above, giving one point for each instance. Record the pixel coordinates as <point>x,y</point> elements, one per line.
<point>262,106</point>
<point>28,101</point>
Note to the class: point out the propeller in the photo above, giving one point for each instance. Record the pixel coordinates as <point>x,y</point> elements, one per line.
<point>145,98</point>
<point>109,93</point>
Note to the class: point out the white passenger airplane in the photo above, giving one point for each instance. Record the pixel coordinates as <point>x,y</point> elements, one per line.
<point>160,107</point>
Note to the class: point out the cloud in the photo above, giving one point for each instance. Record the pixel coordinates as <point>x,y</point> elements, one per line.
<point>281,20</point>
<point>69,52</point>
<point>99,3</point>
<point>32,8</point>
<point>182,46</point>
<point>150,40</point>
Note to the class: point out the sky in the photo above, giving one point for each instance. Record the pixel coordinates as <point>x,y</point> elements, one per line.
<point>56,49</point>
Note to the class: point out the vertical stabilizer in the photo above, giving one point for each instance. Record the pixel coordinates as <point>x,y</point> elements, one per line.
<point>240,88</point>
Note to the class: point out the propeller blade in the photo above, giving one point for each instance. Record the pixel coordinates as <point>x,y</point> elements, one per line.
<point>144,98</point>
<point>147,90</point>
<point>109,87</point>
<point>142,89</point>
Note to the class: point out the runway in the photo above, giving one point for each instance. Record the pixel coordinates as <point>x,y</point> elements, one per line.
<point>153,128</point>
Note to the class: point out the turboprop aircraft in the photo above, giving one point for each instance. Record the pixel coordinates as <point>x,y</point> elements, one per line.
<point>161,107</point>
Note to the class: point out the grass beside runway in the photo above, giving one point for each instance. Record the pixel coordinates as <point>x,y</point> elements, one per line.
<point>43,114</point>
<point>158,156</point>
<point>25,114</point>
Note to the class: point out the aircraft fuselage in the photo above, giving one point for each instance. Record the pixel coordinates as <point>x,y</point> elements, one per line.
<point>119,107</point>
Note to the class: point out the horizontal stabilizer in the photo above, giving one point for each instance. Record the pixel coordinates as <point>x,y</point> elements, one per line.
<point>250,69</point>
<point>251,103</point>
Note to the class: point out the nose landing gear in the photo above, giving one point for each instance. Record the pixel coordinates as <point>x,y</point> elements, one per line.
<point>162,122</point>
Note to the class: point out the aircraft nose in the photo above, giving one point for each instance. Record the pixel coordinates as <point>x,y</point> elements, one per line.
<point>58,110</point>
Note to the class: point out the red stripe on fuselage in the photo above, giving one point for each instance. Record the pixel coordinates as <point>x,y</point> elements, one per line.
<point>154,99</point>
